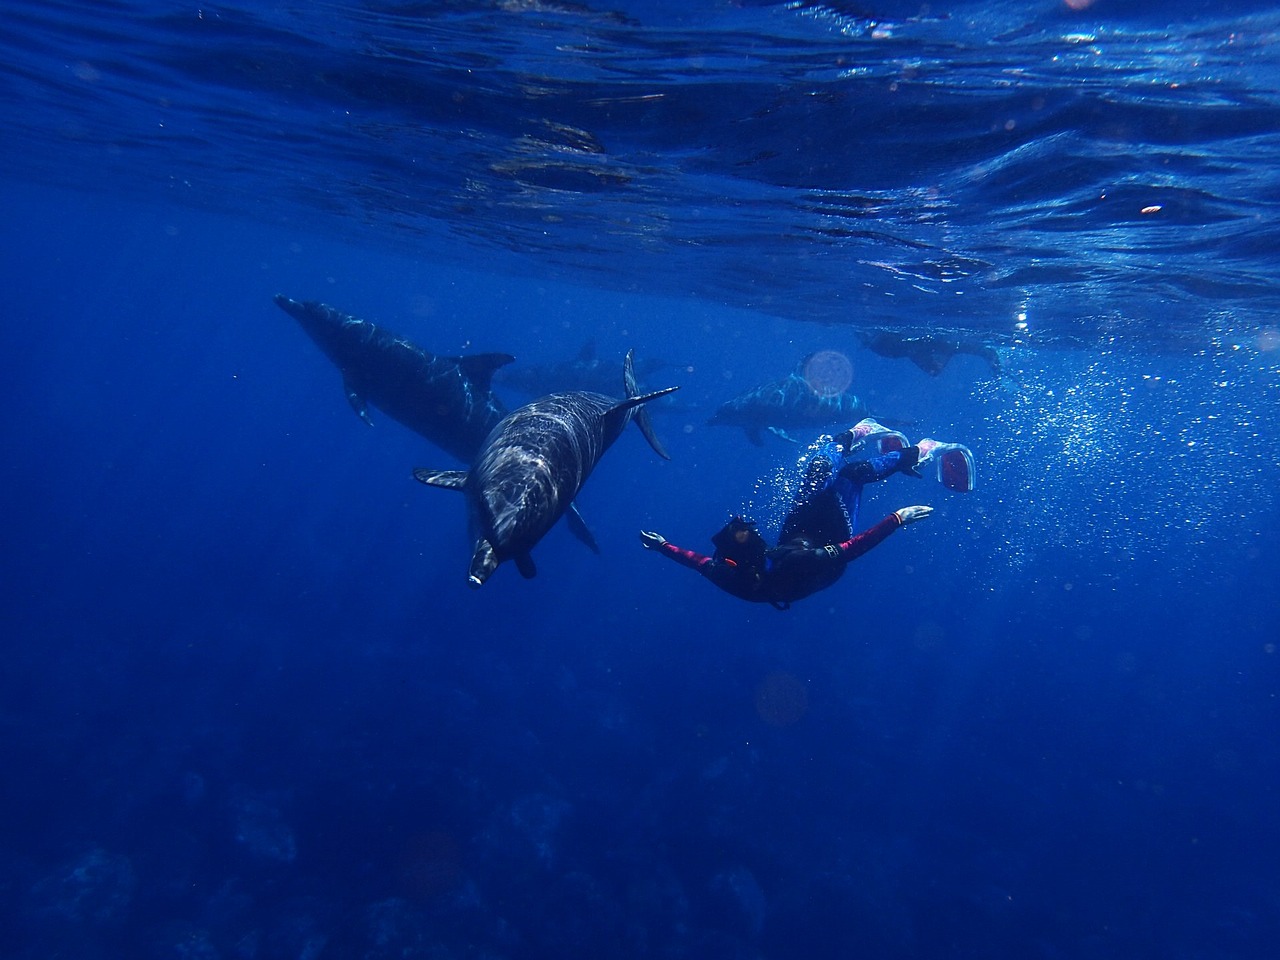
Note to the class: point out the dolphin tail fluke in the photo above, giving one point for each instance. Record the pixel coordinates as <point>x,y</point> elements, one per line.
<point>448,479</point>
<point>641,418</point>
<point>479,367</point>
<point>634,402</point>
<point>629,375</point>
<point>646,427</point>
<point>483,562</point>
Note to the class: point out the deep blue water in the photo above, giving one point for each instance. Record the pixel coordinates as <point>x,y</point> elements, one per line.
<point>250,708</point>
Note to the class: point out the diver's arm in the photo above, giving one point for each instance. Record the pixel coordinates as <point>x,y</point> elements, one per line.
<point>686,558</point>
<point>856,546</point>
<point>725,574</point>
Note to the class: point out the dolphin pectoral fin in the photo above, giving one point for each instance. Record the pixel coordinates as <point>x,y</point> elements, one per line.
<point>753,434</point>
<point>483,562</point>
<point>578,527</point>
<point>779,432</point>
<point>524,563</point>
<point>448,479</point>
<point>479,367</point>
<point>357,403</point>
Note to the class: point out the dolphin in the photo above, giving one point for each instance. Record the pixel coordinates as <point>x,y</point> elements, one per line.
<point>586,371</point>
<point>448,400</point>
<point>929,352</point>
<point>532,466</point>
<point>789,403</point>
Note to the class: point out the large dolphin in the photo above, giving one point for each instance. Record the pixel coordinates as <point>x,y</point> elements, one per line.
<point>788,404</point>
<point>445,399</point>
<point>533,465</point>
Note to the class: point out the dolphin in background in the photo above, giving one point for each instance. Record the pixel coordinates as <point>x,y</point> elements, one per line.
<point>586,371</point>
<point>447,400</point>
<point>788,404</point>
<point>533,465</point>
<point>931,353</point>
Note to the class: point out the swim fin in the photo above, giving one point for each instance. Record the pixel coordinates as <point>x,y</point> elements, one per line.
<point>871,438</point>
<point>952,464</point>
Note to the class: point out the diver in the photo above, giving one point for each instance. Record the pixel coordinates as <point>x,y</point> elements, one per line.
<point>817,539</point>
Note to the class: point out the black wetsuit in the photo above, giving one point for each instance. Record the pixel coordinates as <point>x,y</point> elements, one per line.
<point>790,572</point>
<point>817,539</point>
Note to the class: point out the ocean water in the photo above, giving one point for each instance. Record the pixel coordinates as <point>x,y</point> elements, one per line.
<point>249,707</point>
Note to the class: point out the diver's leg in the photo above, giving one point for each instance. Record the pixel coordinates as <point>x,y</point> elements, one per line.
<point>872,469</point>
<point>825,506</point>
<point>821,519</point>
<point>819,474</point>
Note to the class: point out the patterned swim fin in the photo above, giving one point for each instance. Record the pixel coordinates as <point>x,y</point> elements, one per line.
<point>952,464</point>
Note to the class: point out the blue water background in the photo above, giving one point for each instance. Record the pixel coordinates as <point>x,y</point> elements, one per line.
<point>250,708</point>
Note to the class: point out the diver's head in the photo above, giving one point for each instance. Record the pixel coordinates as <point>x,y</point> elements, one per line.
<point>740,542</point>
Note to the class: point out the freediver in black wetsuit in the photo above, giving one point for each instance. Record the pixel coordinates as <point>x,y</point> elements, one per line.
<point>817,540</point>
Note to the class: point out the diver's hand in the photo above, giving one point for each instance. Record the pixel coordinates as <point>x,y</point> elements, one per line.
<point>912,514</point>
<point>650,540</point>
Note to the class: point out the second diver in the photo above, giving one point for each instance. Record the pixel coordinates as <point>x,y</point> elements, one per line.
<point>817,538</point>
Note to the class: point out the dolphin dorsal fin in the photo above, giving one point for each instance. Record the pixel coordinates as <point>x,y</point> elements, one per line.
<point>447,479</point>
<point>479,367</point>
